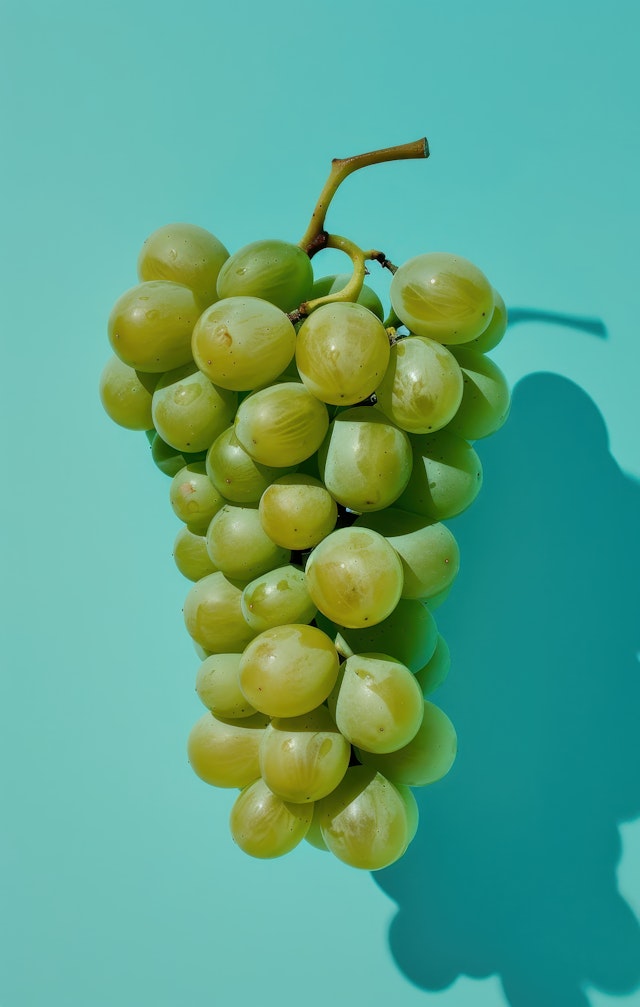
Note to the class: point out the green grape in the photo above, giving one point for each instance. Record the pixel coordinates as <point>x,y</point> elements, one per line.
<point>365,461</point>
<point>213,615</point>
<point>242,343</point>
<point>185,254</point>
<point>434,601</point>
<point>193,497</point>
<point>390,636</point>
<point>428,551</point>
<point>297,511</point>
<point>332,284</point>
<point>435,671</point>
<point>150,326</point>
<point>274,270</point>
<point>218,687</point>
<point>485,399</point>
<point>239,547</point>
<point>446,476</point>
<point>288,670</point>
<point>277,598</point>
<point>422,387</point>
<point>354,577</point>
<point>314,835</point>
<point>379,704</point>
<point>426,758</point>
<point>188,411</point>
<point>302,759</point>
<point>365,821</point>
<point>125,398</point>
<point>495,330</point>
<point>442,296</point>
<point>265,826</point>
<point>191,556</point>
<point>234,473</point>
<point>342,353</point>
<point>224,752</point>
<point>169,460</point>
<point>281,425</point>
<point>411,808</point>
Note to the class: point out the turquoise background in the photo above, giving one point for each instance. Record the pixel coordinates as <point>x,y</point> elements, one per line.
<point>120,883</point>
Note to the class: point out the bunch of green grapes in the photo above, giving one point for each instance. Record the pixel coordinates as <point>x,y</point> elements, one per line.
<point>315,451</point>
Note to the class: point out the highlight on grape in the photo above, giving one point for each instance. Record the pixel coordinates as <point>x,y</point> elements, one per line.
<point>315,445</point>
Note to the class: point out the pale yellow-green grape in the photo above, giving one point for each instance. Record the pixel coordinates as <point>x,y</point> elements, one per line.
<point>194,498</point>
<point>355,577</point>
<point>409,633</point>
<point>188,411</point>
<point>191,556</point>
<point>314,835</point>
<point>288,670</point>
<point>442,296</point>
<point>234,472</point>
<point>125,399</point>
<point>274,270</point>
<point>213,615</point>
<point>281,425</point>
<point>446,476</point>
<point>379,705</point>
<point>331,284</point>
<point>224,752</point>
<point>277,598</point>
<point>496,328</point>
<point>303,759</point>
<point>365,821</point>
<point>243,343</point>
<point>422,387</point>
<point>434,601</point>
<point>485,399</point>
<point>218,687</point>
<point>185,254</point>
<point>426,758</point>
<point>429,552</point>
<point>239,547</point>
<point>342,353</point>
<point>297,511</point>
<point>265,826</point>
<point>411,807</point>
<point>150,326</point>
<point>435,671</point>
<point>365,460</point>
<point>170,460</point>
<point>202,653</point>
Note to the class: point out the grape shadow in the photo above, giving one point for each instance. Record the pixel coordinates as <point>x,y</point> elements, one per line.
<point>513,869</point>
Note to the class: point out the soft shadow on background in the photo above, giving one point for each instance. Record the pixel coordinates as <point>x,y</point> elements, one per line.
<point>513,870</point>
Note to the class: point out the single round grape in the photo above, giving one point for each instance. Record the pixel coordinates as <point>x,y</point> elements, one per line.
<point>193,497</point>
<point>342,353</point>
<point>379,705</point>
<point>354,577</point>
<point>125,398</point>
<point>277,598</point>
<point>234,472</point>
<point>184,254</point>
<point>274,270</point>
<point>442,296</point>
<point>390,636</point>
<point>191,556</point>
<point>150,326</point>
<point>332,284</point>
<point>486,400</point>
<point>223,752</point>
<point>239,547</point>
<point>495,330</point>
<point>365,460</point>
<point>314,835</point>
<point>302,759</point>
<point>281,425</point>
<point>188,411</point>
<point>435,671</point>
<point>243,343</point>
<point>446,476</point>
<point>297,511</point>
<point>288,670</point>
<point>265,826</point>
<point>213,615</point>
<point>218,687</point>
<point>422,387</point>
<point>168,459</point>
<point>425,759</point>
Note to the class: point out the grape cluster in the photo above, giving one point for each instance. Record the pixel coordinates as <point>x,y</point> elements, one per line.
<point>315,450</point>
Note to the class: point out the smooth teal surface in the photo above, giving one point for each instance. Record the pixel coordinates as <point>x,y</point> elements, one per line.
<point>119,882</point>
